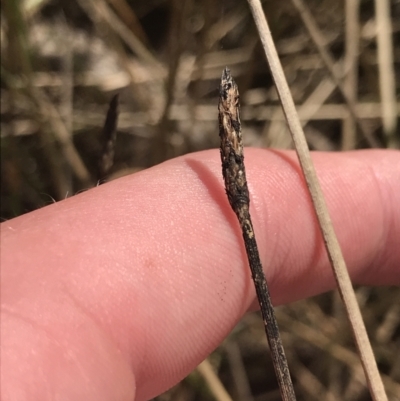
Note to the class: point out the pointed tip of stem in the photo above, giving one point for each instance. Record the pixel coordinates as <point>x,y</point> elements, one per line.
<point>226,74</point>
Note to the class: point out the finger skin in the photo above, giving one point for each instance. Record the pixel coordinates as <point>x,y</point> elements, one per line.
<point>119,292</point>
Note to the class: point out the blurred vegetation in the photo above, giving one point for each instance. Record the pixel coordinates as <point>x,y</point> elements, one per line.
<point>62,62</point>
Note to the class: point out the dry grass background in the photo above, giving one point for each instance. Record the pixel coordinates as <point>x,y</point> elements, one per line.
<point>62,62</point>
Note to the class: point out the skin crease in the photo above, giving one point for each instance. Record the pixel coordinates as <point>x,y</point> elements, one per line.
<point>119,292</point>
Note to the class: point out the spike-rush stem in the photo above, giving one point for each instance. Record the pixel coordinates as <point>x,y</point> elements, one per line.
<point>109,137</point>
<point>234,174</point>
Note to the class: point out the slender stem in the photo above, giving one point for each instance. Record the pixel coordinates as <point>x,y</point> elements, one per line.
<point>328,233</point>
<point>234,174</point>
<point>386,68</point>
<point>109,136</point>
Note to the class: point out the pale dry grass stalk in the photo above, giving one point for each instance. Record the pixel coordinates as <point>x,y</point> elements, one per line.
<point>387,84</point>
<point>352,38</point>
<point>317,338</point>
<point>103,12</point>
<point>331,243</point>
<point>319,41</point>
<point>310,383</point>
<point>127,15</point>
<point>63,136</point>
<point>214,383</point>
<point>239,374</point>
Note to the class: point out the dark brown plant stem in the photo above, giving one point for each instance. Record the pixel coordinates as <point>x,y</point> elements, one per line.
<point>109,135</point>
<point>234,174</point>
